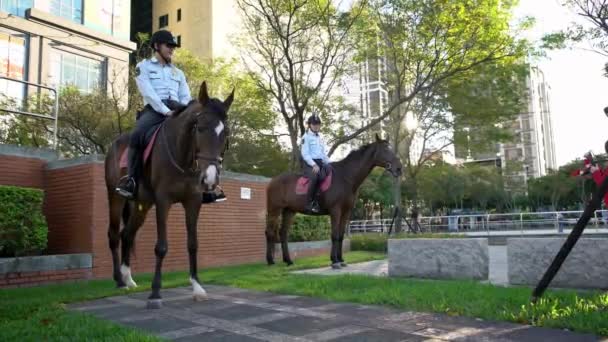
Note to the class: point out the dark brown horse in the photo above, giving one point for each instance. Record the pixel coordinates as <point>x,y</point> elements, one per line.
<point>185,161</point>
<point>337,202</point>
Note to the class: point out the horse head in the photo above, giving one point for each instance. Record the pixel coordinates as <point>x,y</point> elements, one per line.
<point>208,122</point>
<point>385,157</point>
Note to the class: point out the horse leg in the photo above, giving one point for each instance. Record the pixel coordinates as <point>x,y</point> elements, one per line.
<point>160,250</point>
<point>343,222</point>
<point>138,213</point>
<point>272,218</point>
<point>335,237</point>
<point>287,218</point>
<point>193,208</point>
<point>117,207</point>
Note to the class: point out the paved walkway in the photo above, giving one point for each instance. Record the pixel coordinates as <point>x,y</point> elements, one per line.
<point>233,314</point>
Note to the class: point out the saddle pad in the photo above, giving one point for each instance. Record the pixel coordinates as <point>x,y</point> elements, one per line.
<point>124,159</point>
<point>302,184</point>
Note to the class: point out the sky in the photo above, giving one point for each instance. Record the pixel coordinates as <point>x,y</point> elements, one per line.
<point>578,89</point>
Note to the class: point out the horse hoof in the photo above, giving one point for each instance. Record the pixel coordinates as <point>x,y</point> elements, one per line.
<point>122,287</point>
<point>270,263</point>
<point>343,264</point>
<point>289,263</point>
<point>336,266</point>
<point>154,304</point>
<point>199,297</point>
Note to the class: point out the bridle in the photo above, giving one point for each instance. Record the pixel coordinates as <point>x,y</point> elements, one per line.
<point>194,168</point>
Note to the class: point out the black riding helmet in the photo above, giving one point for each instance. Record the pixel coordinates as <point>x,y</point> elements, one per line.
<point>163,36</point>
<point>314,120</point>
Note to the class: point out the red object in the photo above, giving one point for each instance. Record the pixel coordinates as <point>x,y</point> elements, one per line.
<point>124,159</point>
<point>598,178</point>
<point>302,184</point>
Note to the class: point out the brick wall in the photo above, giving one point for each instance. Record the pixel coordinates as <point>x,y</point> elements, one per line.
<point>22,279</point>
<point>230,232</point>
<point>24,167</point>
<point>76,209</point>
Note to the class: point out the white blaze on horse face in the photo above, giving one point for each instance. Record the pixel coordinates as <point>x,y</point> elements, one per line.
<point>126,276</point>
<point>197,290</point>
<point>219,128</point>
<point>210,175</point>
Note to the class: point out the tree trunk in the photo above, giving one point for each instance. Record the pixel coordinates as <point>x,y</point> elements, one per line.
<point>397,181</point>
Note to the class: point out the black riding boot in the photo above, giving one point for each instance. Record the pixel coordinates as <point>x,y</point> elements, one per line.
<point>127,186</point>
<point>311,197</point>
<point>213,196</point>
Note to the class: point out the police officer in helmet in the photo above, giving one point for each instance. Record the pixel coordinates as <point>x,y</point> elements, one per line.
<point>317,164</point>
<point>164,90</point>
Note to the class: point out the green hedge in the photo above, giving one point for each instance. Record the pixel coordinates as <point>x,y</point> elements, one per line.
<point>23,229</point>
<point>379,242</point>
<point>369,242</point>
<point>310,228</point>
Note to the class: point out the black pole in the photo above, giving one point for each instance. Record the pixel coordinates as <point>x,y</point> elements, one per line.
<point>390,230</point>
<point>593,205</point>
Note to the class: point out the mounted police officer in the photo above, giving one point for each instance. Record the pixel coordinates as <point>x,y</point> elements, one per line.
<point>165,91</point>
<point>316,163</point>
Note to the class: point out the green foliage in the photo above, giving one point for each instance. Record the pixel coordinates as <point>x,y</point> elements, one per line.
<point>300,49</point>
<point>88,122</point>
<point>23,229</point>
<point>369,242</point>
<point>373,242</point>
<point>310,228</point>
<point>377,188</point>
<point>251,150</point>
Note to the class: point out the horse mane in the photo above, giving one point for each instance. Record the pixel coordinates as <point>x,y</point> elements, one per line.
<point>356,154</point>
<point>216,106</point>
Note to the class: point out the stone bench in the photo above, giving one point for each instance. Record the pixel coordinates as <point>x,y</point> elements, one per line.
<point>585,267</point>
<point>439,258</point>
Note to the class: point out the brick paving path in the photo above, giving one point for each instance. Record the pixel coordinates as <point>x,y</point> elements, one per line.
<point>232,314</point>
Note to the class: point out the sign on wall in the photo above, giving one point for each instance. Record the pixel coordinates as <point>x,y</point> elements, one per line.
<point>246,193</point>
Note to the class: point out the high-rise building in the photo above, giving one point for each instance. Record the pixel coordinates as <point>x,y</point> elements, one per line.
<point>64,42</point>
<point>204,27</point>
<point>532,152</point>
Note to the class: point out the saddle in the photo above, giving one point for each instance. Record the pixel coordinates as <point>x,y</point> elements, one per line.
<point>150,139</point>
<point>303,183</point>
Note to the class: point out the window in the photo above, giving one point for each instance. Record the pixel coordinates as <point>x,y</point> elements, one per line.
<point>179,41</point>
<point>13,50</point>
<point>16,7</point>
<point>163,21</point>
<point>179,14</point>
<point>68,69</point>
<point>69,9</point>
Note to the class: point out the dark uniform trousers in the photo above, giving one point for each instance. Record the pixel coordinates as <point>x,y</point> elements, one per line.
<point>147,120</point>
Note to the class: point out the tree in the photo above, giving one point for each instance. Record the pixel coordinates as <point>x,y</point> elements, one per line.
<point>595,13</point>
<point>88,123</point>
<point>427,43</point>
<point>251,149</point>
<point>300,49</point>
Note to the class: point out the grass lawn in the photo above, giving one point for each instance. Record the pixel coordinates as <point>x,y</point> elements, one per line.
<point>38,314</point>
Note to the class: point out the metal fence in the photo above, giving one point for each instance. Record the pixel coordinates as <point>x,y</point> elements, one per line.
<point>537,222</point>
<point>36,115</point>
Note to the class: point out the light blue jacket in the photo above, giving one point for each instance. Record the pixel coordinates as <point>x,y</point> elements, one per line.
<point>157,82</point>
<point>313,148</point>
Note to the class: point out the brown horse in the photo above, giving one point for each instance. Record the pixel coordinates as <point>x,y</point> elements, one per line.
<point>185,161</point>
<point>338,201</point>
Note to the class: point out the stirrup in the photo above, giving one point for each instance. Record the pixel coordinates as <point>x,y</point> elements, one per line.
<point>123,185</point>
